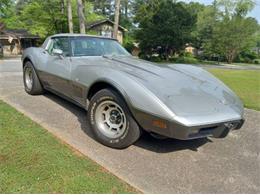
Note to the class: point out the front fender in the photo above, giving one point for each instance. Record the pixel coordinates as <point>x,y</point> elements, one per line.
<point>136,95</point>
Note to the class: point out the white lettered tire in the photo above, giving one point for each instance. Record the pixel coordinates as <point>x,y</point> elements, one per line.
<point>111,121</point>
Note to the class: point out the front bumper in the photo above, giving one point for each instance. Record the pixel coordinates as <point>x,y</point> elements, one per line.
<point>182,132</point>
<point>219,130</point>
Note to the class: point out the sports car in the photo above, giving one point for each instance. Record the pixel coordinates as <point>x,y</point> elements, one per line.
<point>125,96</point>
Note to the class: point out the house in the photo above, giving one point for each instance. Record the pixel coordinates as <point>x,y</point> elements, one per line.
<point>105,28</point>
<point>13,42</point>
<point>190,49</point>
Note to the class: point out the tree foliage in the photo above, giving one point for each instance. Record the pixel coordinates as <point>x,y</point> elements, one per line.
<point>44,17</point>
<point>4,4</point>
<point>165,25</point>
<point>224,29</point>
<point>102,7</point>
<point>161,27</point>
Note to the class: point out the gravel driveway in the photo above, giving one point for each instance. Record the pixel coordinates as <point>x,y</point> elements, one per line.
<point>230,165</point>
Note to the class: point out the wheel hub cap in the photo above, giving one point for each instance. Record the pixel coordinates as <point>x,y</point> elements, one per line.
<point>110,119</point>
<point>115,117</point>
<point>28,78</point>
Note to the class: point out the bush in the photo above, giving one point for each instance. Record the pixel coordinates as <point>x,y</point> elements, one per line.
<point>155,59</point>
<point>188,54</point>
<point>246,57</point>
<point>257,61</point>
<point>129,46</point>
<point>186,60</point>
<point>128,43</point>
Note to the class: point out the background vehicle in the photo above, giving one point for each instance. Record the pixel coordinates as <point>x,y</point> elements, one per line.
<point>1,50</point>
<point>125,95</point>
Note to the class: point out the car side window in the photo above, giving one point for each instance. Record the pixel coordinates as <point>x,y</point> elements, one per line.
<point>61,43</point>
<point>86,47</point>
<point>45,44</point>
<point>49,46</point>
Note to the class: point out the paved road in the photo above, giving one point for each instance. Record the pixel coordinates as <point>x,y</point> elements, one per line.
<point>230,165</point>
<point>233,67</point>
<point>229,66</point>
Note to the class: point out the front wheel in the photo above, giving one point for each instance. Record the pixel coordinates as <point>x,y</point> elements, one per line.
<point>111,121</point>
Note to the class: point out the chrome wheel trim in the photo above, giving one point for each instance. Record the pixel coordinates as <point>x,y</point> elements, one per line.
<point>28,77</point>
<point>110,119</point>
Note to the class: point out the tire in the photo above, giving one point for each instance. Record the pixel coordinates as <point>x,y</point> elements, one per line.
<point>31,81</point>
<point>108,110</point>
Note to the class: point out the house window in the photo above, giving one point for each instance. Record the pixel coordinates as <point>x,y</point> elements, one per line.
<point>106,34</point>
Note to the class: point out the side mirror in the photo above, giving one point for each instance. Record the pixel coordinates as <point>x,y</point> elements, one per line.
<point>57,52</point>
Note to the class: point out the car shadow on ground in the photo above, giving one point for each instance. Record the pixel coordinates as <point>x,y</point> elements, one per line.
<point>169,145</point>
<point>146,141</point>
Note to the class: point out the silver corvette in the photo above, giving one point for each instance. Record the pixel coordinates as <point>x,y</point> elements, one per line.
<point>125,95</point>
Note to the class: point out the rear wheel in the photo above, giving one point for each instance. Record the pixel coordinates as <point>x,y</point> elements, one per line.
<point>111,121</point>
<point>31,81</point>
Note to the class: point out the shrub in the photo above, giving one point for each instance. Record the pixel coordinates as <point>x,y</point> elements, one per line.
<point>186,60</point>
<point>257,61</point>
<point>155,58</point>
<point>246,57</point>
<point>129,46</point>
<point>188,54</point>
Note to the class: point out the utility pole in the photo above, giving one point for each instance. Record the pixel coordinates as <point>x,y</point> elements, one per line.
<point>117,10</point>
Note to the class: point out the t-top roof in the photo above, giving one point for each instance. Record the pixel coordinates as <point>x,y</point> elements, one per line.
<point>79,35</point>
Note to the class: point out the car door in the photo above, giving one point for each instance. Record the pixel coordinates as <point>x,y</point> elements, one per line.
<point>85,54</point>
<point>58,67</point>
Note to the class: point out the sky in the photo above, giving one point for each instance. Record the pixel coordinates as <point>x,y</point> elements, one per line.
<point>254,13</point>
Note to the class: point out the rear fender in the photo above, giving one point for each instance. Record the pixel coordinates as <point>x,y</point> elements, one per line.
<point>27,55</point>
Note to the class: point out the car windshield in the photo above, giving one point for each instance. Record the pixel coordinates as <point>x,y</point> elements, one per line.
<point>88,46</point>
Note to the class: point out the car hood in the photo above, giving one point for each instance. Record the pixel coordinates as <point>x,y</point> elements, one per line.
<point>187,90</point>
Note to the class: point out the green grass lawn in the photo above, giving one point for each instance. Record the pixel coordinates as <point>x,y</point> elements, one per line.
<point>33,161</point>
<point>245,83</point>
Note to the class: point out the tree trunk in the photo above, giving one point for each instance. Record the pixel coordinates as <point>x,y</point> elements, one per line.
<point>126,9</point>
<point>84,5</point>
<point>70,20</point>
<point>231,56</point>
<point>81,16</point>
<point>167,53</point>
<point>117,9</point>
<point>62,7</point>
